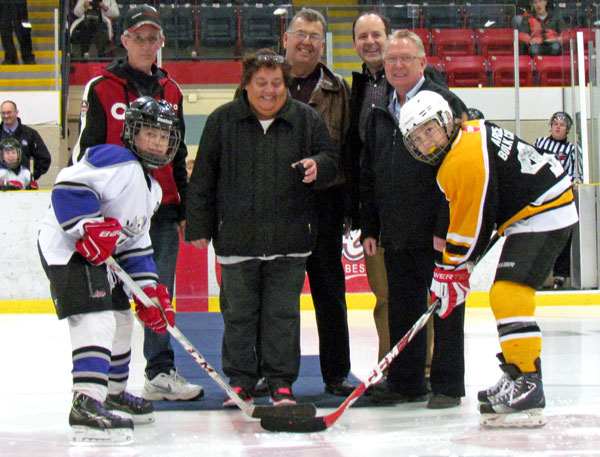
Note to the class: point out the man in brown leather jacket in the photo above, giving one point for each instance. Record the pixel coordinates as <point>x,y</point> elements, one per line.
<point>329,95</point>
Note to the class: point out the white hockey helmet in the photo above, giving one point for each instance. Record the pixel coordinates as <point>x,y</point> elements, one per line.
<point>425,145</point>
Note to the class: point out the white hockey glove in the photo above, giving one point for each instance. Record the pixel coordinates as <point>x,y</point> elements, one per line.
<point>451,287</point>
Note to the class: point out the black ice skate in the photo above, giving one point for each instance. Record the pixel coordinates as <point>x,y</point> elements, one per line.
<point>92,424</point>
<point>141,410</point>
<point>520,401</point>
<point>484,396</point>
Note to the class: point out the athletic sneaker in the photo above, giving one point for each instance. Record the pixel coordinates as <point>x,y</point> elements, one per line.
<point>242,393</point>
<point>170,387</point>
<point>91,423</point>
<point>283,396</point>
<point>261,389</point>
<point>141,410</point>
<point>523,394</point>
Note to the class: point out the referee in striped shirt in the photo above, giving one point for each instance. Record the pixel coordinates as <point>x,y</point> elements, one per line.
<point>569,157</point>
<point>558,145</point>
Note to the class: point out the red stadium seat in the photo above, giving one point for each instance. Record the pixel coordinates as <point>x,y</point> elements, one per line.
<point>553,70</point>
<point>503,73</point>
<point>465,71</point>
<point>566,35</point>
<point>435,62</point>
<point>425,36</point>
<point>453,42</point>
<point>495,42</point>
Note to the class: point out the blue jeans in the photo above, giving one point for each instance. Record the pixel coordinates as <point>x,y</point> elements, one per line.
<point>164,233</point>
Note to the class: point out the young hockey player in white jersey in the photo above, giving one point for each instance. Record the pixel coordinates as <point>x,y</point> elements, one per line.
<point>13,175</point>
<point>494,180</point>
<point>102,206</point>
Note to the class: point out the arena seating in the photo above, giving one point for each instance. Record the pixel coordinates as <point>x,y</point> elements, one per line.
<point>453,42</point>
<point>465,71</point>
<point>503,73</point>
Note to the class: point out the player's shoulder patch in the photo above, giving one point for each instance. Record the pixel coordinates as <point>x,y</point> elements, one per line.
<point>470,128</point>
<point>109,155</point>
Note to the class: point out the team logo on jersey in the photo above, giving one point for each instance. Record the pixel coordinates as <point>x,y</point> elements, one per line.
<point>118,111</point>
<point>471,129</point>
<point>84,107</point>
<point>133,228</point>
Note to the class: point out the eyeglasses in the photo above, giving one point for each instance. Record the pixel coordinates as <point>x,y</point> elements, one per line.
<point>139,40</point>
<point>314,37</point>
<point>270,58</point>
<point>404,59</point>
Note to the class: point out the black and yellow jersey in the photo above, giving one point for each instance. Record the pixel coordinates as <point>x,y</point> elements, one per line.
<point>494,180</point>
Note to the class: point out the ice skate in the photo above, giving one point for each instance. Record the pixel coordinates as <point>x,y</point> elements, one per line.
<point>92,424</point>
<point>140,410</point>
<point>519,403</point>
<point>484,396</point>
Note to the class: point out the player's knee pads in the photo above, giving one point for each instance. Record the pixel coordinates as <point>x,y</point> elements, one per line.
<point>124,329</point>
<point>92,329</point>
<point>510,299</point>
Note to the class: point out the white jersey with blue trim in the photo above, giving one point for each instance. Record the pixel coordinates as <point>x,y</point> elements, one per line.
<point>23,176</point>
<point>108,181</point>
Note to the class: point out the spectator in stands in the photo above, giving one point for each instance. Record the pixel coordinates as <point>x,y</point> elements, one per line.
<point>32,145</point>
<point>569,156</point>
<point>14,18</point>
<point>93,23</point>
<point>540,29</point>
<point>248,195</point>
<point>13,175</point>
<point>329,94</point>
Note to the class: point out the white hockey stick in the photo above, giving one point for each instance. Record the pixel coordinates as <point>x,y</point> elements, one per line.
<point>255,411</point>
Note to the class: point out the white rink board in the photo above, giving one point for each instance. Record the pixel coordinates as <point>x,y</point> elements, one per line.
<point>23,277</point>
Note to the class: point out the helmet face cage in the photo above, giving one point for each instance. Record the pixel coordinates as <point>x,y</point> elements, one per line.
<point>8,144</point>
<point>154,114</point>
<point>436,154</point>
<point>561,115</point>
<point>149,159</point>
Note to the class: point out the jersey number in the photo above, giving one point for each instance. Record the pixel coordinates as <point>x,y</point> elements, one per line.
<point>531,160</point>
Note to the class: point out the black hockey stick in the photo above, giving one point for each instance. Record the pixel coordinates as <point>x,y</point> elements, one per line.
<point>256,411</point>
<point>320,423</point>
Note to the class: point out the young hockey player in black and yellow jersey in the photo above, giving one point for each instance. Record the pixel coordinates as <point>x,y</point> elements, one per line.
<point>495,181</point>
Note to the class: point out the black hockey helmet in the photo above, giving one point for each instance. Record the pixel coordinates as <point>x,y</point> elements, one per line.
<point>561,115</point>
<point>474,113</point>
<point>156,114</point>
<point>8,144</point>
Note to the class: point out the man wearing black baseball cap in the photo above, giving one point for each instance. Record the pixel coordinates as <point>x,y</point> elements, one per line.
<point>142,15</point>
<point>103,106</point>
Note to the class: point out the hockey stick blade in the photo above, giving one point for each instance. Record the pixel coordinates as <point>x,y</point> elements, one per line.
<point>255,411</point>
<point>320,423</point>
<point>299,410</point>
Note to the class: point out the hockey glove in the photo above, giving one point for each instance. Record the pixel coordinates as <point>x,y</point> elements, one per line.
<point>33,185</point>
<point>99,241</point>
<point>14,185</point>
<point>151,315</point>
<point>451,287</point>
